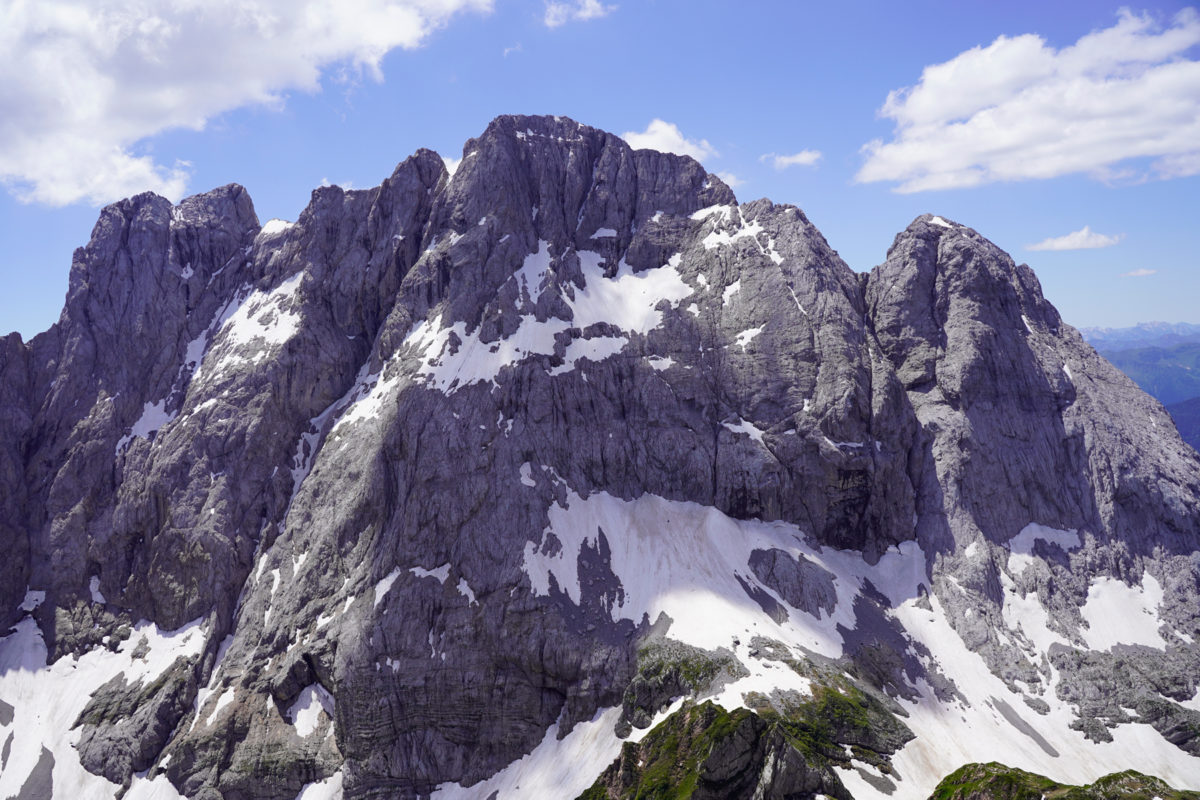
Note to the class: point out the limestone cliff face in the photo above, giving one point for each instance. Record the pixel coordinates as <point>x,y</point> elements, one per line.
<point>428,472</point>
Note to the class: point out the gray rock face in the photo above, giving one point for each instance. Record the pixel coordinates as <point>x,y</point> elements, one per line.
<point>345,449</point>
<point>1021,420</point>
<point>801,583</point>
<point>16,420</point>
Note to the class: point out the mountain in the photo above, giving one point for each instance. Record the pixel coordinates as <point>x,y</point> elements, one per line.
<point>569,475</point>
<point>1187,419</point>
<point>1144,334</point>
<point>1164,360</point>
<point>1171,374</point>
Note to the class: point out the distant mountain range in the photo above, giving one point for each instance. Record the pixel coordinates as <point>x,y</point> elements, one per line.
<point>1164,360</point>
<point>1144,334</point>
<point>1171,374</point>
<point>1187,419</point>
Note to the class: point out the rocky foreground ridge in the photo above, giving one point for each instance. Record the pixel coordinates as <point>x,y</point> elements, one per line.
<point>567,474</point>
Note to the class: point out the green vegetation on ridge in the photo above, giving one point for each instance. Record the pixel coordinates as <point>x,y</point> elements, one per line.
<point>995,781</point>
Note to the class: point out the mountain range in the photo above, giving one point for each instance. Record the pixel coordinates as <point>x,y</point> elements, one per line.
<point>569,475</point>
<point>1164,360</point>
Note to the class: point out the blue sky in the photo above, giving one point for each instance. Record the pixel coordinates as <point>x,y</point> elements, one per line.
<point>1065,124</point>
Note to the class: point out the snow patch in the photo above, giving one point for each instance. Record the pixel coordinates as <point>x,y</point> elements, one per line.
<point>1117,613</point>
<point>328,789</point>
<point>531,277</point>
<point>744,427</point>
<point>604,233</point>
<point>940,223</point>
<point>1026,614</point>
<point>365,399</point>
<point>94,588</point>
<point>596,349</point>
<point>742,230</point>
<point>465,590</point>
<point>557,767</point>
<point>723,212</point>
<point>527,475</point>
<point>745,337</point>
<point>264,320</point>
<point>226,697</point>
<point>442,573</point>
<point>33,599</point>
<point>305,713</point>
<point>731,290</point>
<point>275,226</point>
<point>626,300</point>
<point>47,699</point>
<point>384,585</point>
<point>154,416</point>
<point>1021,546</point>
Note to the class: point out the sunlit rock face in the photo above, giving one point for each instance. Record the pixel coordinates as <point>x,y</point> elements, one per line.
<point>464,483</point>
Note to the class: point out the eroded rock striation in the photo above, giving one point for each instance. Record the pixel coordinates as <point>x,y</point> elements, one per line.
<point>483,482</point>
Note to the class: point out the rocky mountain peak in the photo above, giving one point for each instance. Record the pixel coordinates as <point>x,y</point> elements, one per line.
<point>420,492</point>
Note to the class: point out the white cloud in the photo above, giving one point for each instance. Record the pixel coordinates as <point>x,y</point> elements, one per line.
<point>1139,273</point>
<point>558,13</point>
<point>730,180</point>
<point>667,138</point>
<point>1019,109</point>
<point>83,83</point>
<point>451,164</point>
<point>1083,239</point>
<point>805,158</point>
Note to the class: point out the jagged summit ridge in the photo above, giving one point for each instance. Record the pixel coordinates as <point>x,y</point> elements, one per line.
<point>417,482</point>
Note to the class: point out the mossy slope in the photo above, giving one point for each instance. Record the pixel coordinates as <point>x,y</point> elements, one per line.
<point>995,781</point>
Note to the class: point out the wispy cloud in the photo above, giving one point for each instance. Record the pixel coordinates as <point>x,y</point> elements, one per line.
<point>1083,239</point>
<point>558,13</point>
<point>1139,273</point>
<point>805,158</point>
<point>516,48</point>
<point>667,138</point>
<point>86,81</point>
<point>1020,109</point>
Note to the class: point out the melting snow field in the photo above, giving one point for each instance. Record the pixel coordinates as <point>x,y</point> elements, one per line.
<point>949,736</point>
<point>684,560</point>
<point>47,699</point>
